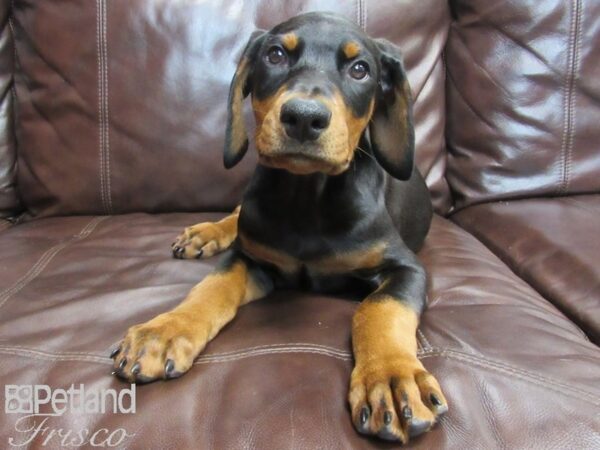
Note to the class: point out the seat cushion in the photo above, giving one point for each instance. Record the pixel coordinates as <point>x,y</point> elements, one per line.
<point>553,244</point>
<point>516,371</point>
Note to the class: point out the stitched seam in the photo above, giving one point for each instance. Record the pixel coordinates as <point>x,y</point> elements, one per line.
<point>427,345</point>
<point>534,378</point>
<point>568,97</point>
<point>357,11</point>
<point>203,359</point>
<point>104,144</point>
<point>100,104</point>
<point>573,111</point>
<point>212,359</point>
<point>364,15</point>
<point>107,175</point>
<point>337,354</point>
<point>45,259</point>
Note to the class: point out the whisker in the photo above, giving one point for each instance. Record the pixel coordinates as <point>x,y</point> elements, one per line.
<point>366,153</point>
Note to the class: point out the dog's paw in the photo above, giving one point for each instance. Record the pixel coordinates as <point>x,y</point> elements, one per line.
<point>395,399</point>
<point>203,240</point>
<point>163,348</point>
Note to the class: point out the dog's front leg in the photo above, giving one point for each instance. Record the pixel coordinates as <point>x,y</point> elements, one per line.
<point>165,347</point>
<point>391,394</point>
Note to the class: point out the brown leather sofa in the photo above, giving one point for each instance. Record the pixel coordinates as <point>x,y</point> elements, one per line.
<point>111,129</point>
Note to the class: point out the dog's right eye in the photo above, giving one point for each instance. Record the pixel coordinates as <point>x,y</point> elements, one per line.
<point>276,56</point>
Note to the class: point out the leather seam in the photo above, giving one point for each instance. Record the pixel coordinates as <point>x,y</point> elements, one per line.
<point>104,142</point>
<point>332,352</point>
<point>525,375</point>
<point>569,97</point>
<point>364,15</point>
<point>106,109</point>
<point>100,116</point>
<point>427,346</point>
<point>45,259</point>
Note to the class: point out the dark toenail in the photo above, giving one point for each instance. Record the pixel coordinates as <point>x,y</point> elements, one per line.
<point>435,400</point>
<point>364,415</point>
<point>123,364</point>
<point>115,352</point>
<point>199,255</point>
<point>407,413</point>
<point>136,368</point>
<point>387,418</point>
<point>169,366</point>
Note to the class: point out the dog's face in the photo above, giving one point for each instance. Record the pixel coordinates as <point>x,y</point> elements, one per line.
<point>317,84</point>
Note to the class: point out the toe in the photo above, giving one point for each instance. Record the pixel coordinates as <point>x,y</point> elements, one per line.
<point>384,419</point>
<point>431,393</point>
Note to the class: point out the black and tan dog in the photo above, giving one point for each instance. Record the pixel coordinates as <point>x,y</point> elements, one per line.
<point>334,204</point>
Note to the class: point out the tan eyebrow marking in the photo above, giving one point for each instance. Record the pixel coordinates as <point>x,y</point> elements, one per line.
<point>351,49</point>
<point>290,41</point>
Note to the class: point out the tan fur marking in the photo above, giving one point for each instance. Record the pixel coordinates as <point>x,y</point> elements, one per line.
<point>336,144</point>
<point>384,326</point>
<point>183,332</point>
<point>387,375</point>
<point>263,253</point>
<point>356,125</point>
<point>290,41</point>
<point>351,49</point>
<point>353,260</point>
<point>238,126</point>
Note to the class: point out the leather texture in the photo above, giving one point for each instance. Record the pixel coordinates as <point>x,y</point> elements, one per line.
<point>515,370</point>
<point>552,244</point>
<point>140,97</point>
<point>523,88</point>
<point>118,111</point>
<point>9,200</point>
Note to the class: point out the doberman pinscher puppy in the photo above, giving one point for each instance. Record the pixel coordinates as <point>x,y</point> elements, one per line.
<point>335,203</point>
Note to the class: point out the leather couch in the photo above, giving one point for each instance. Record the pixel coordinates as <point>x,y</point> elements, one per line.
<point>111,130</point>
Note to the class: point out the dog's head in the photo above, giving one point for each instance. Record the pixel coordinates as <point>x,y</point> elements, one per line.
<point>318,84</point>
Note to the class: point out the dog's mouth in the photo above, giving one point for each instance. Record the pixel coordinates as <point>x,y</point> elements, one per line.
<point>303,162</point>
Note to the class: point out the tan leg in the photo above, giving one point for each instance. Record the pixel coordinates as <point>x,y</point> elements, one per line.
<point>165,347</point>
<point>391,394</point>
<point>206,239</point>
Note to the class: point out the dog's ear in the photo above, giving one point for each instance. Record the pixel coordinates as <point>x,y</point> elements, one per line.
<point>236,135</point>
<point>391,131</point>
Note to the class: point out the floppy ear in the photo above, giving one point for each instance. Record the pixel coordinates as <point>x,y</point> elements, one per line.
<point>236,135</point>
<point>391,131</point>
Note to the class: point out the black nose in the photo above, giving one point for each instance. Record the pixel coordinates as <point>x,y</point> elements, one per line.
<point>304,119</point>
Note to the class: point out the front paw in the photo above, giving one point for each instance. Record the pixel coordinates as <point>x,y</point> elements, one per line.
<point>202,241</point>
<point>162,348</point>
<point>395,399</point>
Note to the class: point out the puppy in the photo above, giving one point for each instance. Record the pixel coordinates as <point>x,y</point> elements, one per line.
<point>335,204</point>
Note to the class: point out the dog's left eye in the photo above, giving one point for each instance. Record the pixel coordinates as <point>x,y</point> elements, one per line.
<point>276,56</point>
<point>359,70</point>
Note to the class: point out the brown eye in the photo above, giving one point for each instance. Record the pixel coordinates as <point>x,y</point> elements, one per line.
<point>276,56</point>
<point>359,70</point>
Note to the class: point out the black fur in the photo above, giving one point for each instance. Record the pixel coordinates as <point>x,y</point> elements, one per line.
<point>312,216</point>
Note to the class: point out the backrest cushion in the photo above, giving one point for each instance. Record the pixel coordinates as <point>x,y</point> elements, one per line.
<point>9,202</point>
<point>122,104</point>
<point>523,99</point>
